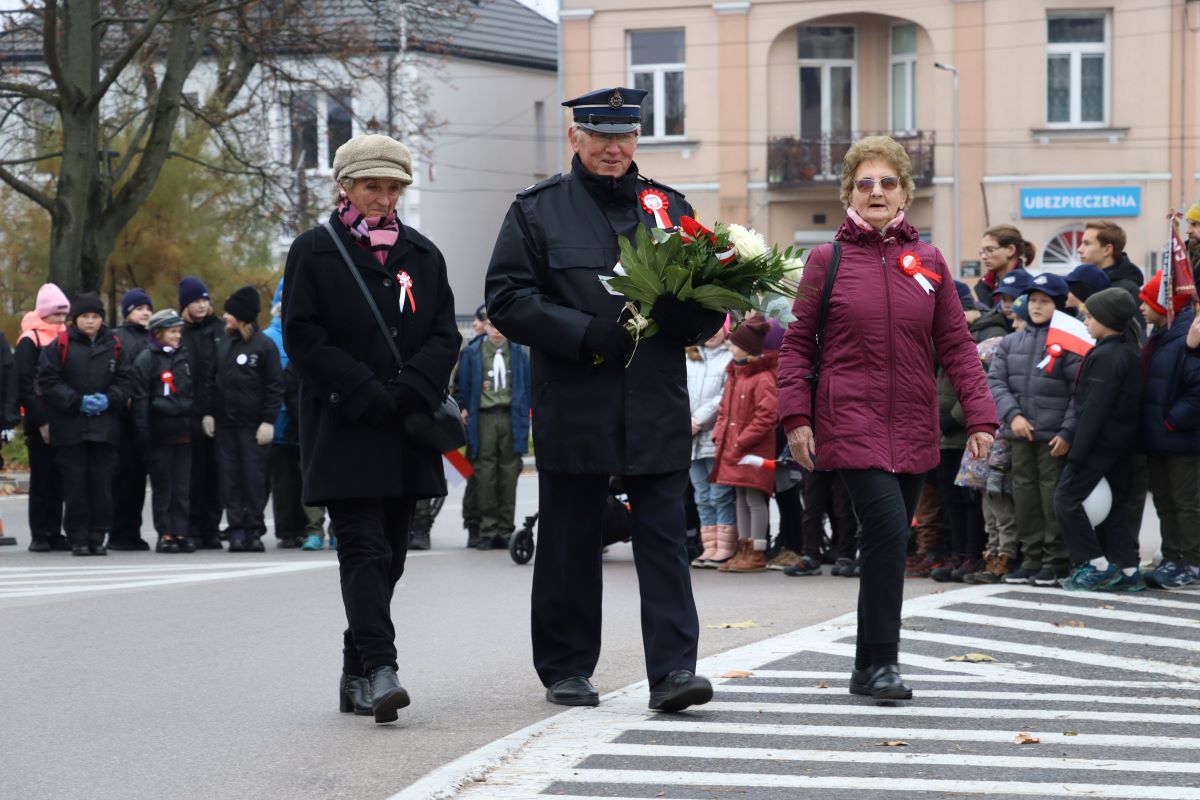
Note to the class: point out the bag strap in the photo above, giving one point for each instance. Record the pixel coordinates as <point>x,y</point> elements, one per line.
<point>366,293</point>
<point>826,294</point>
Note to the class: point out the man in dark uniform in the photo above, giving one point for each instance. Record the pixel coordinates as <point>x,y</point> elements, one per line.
<point>602,407</point>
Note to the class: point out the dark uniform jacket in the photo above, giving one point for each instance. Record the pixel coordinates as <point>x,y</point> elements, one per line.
<point>160,415</point>
<point>200,339</point>
<point>543,289</point>
<point>1171,407</point>
<point>248,385</point>
<point>344,362</point>
<point>134,339</point>
<point>1125,274</point>
<point>10,414</point>
<point>92,367</point>
<point>1108,403</point>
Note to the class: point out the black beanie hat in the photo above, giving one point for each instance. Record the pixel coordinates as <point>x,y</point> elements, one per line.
<point>1112,308</point>
<point>87,303</point>
<point>751,335</point>
<point>244,304</point>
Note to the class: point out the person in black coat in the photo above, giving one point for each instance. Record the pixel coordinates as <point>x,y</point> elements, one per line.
<point>164,387</point>
<point>247,393</point>
<point>201,331</point>
<point>40,328</point>
<point>129,480</point>
<point>1108,404</point>
<point>84,377</point>
<point>10,413</point>
<point>355,398</point>
<point>594,420</point>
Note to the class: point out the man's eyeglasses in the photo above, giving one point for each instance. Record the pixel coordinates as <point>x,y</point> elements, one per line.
<point>888,182</point>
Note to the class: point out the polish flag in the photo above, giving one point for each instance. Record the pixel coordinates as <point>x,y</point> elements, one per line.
<point>456,468</point>
<point>1177,273</point>
<point>758,461</point>
<point>1066,335</point>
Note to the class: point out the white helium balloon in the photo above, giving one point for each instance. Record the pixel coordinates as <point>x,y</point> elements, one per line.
<point>1099,503</point>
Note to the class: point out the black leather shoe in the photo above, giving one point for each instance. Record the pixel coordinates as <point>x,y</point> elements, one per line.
<point>98,550</point>
<point>210,542</point>
<point>485,543</point>
<point>289,542</point>
<point>418,539</point>
<point>680,689</point>
<point>881,682</point>
<point>576,691</point>
<point>59,542</point>
<point>387,695</point>
<point>254,544</point>
<point>237,542</point>
<point>40,545</point>
<point>472,535</point>
<point>138,544</point>
<point>354,694</point>
<point>81,550</point>
<point>186,545</point>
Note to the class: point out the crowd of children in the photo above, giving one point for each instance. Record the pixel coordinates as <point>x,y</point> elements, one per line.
<point>1080,425</point>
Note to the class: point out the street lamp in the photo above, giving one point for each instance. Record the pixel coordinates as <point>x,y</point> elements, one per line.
<point>953,70</point>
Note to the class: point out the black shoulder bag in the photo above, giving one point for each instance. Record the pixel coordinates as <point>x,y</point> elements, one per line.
<point>814,373</point>
<point>447,431</point>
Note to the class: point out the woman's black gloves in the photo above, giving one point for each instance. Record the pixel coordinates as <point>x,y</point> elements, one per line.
<point>683,319</point>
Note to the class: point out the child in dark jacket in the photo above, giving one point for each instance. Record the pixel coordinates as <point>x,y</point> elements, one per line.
<point>1170,436</point>
<point>164,385</point>
<point>247,395</point>
<point>129,482</point>
<point>84,377</point>
<point>1108,402</point>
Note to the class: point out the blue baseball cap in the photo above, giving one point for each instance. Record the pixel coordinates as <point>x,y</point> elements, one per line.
<point>1087,279</point>
<point>1048,284</point>
<point>1013,284</point>
<point>616,110</point>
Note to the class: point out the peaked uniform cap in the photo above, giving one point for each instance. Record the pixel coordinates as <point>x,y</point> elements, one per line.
<point>617,110</point>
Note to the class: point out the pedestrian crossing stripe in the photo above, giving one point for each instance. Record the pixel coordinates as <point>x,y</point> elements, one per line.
<point>25,582</point>
<point>760,732</point>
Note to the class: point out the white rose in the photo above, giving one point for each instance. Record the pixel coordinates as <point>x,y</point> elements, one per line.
<point>749,243</point>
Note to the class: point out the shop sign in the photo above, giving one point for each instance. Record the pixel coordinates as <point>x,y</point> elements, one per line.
<point>1096,201</point>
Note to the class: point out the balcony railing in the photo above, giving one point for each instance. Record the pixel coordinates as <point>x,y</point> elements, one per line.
<point>795,163</point>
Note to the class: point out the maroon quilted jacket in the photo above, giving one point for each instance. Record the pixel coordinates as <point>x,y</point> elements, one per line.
<point>877,398</point>
<point>746,424</point>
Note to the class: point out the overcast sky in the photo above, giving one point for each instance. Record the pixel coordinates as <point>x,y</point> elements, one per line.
<point>547,8</point>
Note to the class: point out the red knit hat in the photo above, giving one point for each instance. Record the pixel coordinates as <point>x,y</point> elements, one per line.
<point>1149,296</point>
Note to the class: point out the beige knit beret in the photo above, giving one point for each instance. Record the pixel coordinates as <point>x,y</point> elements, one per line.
<point>373,156</point>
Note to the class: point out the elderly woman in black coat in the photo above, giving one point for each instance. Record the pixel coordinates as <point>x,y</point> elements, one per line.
<point>355,398</point>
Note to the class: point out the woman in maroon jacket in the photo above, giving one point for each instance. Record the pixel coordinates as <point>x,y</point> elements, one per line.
<point>876,415</point>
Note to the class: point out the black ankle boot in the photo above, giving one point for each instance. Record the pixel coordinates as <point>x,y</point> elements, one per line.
<point>354,694</point>
<point>387,695</point>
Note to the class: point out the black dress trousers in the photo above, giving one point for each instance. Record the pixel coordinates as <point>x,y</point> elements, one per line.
<point>86,469</point>
<point>568,584</point>
<point>372,537</point>
<point>129,485</point>
<point>204,510</point>
<point>45,488</point>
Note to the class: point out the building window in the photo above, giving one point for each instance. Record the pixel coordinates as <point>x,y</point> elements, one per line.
<point>319,125</point>
<point>1077,69</point>
<point>1059,256</point>
<point>828,77</point>
<point>656,65</point>
<point>903,80</point>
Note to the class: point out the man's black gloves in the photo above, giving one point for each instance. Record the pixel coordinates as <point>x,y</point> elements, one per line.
<point>607,339</point>
<point>683,319</point>
<point>381,408</point>
<point>407,400</point>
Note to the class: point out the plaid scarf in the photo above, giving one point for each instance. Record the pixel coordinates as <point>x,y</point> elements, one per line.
<point>376,235</point>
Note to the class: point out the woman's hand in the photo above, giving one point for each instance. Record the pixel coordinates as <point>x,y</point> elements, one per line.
<point>979,444</point>
<point>802,446</point>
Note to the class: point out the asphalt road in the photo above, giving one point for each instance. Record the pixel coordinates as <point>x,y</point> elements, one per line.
<point>213,675</point>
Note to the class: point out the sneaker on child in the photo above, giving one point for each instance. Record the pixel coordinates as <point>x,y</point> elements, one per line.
<point>1171,574</point>
<point>1086,578</point>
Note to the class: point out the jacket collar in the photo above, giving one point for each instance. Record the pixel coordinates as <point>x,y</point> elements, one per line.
<point>607,189</point>
<point>852,231</point>
<point>767,362</point>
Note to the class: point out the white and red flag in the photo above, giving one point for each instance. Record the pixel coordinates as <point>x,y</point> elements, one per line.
<point>1177,272</point>
<point>456,468</point>
<point>1067,334</point>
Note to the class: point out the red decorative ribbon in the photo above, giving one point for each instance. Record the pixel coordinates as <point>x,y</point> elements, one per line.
<point>406,283</point>
<point>910,265</point>
<point>168,382</point>
<point>1052,354</point>
<point>655,203</point>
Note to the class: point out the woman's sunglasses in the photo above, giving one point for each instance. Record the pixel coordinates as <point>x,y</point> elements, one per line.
<point>888,182</point>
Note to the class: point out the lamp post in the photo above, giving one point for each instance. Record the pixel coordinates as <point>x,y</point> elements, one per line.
<point>953,70</point>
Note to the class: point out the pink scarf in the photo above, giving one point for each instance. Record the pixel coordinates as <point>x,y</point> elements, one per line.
<point>866,226</point>
<point>41,332</point>
<point>376,235</point>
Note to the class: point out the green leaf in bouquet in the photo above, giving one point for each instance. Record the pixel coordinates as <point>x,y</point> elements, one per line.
<point>630,288</point>
<point>660,236</point>
<point>719,298</point>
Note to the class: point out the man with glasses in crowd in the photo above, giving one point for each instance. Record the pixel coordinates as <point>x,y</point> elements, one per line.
<point>603,408</point>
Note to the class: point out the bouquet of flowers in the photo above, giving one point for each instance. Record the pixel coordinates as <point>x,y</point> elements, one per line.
<point>729,269</point>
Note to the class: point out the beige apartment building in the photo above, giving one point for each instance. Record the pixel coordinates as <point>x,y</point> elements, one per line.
<point>1068,109</point>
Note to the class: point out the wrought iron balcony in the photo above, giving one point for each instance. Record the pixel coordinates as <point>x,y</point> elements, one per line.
<point>795,163</point>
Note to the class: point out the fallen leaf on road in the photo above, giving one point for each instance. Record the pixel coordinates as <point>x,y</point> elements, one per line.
<point>972,658</point>
<point>893,743</point>
<point>1110,608</point>
<point>663,793</point>
<point>1070,733</point>
<point>1025,738</point>
<point>746,624</point>
<point>822,685</point>
<point>737,673</point>
<point>1071,623</point>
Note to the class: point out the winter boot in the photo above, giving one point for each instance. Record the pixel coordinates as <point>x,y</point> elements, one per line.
<point>753,558</point>
<point>739,555</point>
<point>708,538</point>
<point>726,547</point>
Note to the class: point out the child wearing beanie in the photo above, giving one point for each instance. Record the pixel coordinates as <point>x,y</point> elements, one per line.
<point>83,374</point>
<point>1170,436</point>
<point>129,484</point>
<point>202,329</point>
<point>745,427</point>
<point>1108,399</point>
<point>1038,416</point>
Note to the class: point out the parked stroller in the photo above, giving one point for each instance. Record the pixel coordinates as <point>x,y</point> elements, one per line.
<point>614,525</point>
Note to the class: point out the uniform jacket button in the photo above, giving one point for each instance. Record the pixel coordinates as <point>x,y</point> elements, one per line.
<point>393,332</point>
<point>387,282</point>
<point>335,398</point>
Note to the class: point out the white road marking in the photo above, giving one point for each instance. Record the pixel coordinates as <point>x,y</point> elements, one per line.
<point>1033,626</point>
<point>122,581</point>
<point>1097,612</point>
<point>817,709</point>
<point>954,694</point>
<point>1032,680</point>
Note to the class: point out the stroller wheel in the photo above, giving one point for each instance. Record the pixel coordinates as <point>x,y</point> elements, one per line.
<point>520,545</point>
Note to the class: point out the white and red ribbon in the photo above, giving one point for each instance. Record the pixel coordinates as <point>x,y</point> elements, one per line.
<point>168,382</point>
<point>910,265</point>
<point>405,282</point>
<point>655,203</point>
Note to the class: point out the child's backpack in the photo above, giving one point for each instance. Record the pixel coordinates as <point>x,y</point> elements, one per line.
<point>63,341</point>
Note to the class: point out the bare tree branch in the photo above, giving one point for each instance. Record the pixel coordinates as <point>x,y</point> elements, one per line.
<point>127,55</point>
<point>32,192</point>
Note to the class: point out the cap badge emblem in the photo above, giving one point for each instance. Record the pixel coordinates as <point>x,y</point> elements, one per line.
<point>616,101</point>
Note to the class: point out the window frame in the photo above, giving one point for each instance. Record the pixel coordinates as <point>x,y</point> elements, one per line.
<point>830,169</point>
<point>325,102</point>
<point>1075,51</point>
<point>909,60</point>
<point>658,87</point>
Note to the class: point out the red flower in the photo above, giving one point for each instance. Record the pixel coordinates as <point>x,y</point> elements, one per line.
<point>693,230</point>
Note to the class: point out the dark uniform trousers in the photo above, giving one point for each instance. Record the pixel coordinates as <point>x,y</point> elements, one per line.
<point>1116,537</point>
<point>885,503</point>
<point>372,544</point>
<point>45,488</point>
<point>170,468</point>
<point>567,580</point>
<point>204,511</point>
<point>129,485</point>
<point>86,469</point>
<point>243,479</point>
